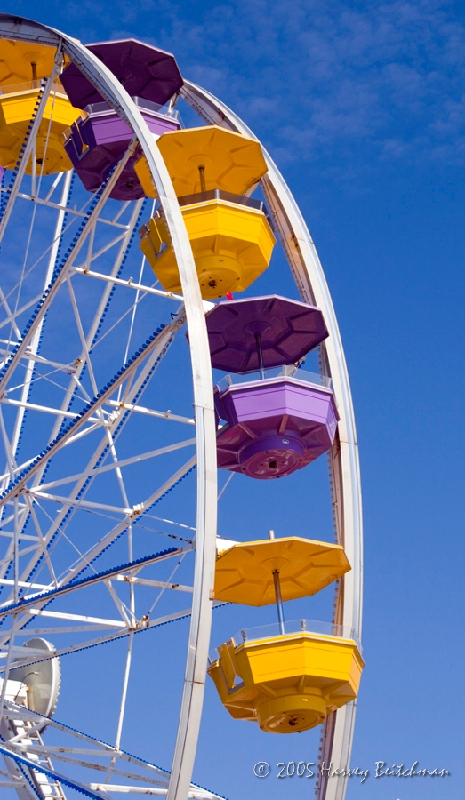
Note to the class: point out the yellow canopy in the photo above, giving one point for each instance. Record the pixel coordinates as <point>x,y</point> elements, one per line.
<point>21,62</point>
<point>231,162</point>
<point>244,573</point>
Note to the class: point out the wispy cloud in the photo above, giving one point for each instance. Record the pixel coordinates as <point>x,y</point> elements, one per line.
<point>314,76</point>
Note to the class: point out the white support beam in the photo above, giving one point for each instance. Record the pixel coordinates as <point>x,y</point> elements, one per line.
<point>109,623</point>
<point>193,792</point>
<point>73,211</point>
<point>15,712</point>
<point>152,413</point>
<point>129,284</point>
<point>125,462</point>
<point>156,344</point>
<point>156,584</point>
<point>67,586</point>
<point>44,96</point>
<point>42,409</point>
<point>78,503</point>
<point>75,648</point>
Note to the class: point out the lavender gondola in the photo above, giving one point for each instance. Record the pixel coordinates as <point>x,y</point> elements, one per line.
<point>98,140</point>
<point>274,426</point>
<point>95,143</point>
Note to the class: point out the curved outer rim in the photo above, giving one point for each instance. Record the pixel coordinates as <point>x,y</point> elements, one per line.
<point>12,27</point>
<point>347,499</point>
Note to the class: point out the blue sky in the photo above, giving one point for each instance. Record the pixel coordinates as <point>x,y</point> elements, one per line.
<point>362,105</point>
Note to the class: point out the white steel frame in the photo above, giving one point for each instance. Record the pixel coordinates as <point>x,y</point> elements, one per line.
<point>309,277</point>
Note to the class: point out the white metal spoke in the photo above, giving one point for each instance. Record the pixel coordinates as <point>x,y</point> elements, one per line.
<point>66,587</point>
<point>45,93</point>
<point>47,300</point>
<point>151,412</point>
<point>41,538</point>
<point>10,316</point>
<point>157,584</point>
<point>71,211</point>
<point>119,726</point>
<point>140,626</point>
<point>93,255</point>
<point>156,345</point>
<point>170,448</point>
<point>129,284</point>
<point>79,503</point>
<point>42,409</point>
<point>80,329</point>
<point>108,623</point>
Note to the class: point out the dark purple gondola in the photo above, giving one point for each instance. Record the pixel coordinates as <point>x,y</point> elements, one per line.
<point>98,140</point>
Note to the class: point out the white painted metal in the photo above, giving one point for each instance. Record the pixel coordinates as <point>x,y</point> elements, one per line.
<point>310,279</point>
<point>25,722</point>
<point>89,225</point>
<point>44,95</point>
<point>201,367</point>
<point>33,347</point>
<point>199,635</point>
<point>195,794</point>
<point>155,347</point>
<point>123,462</point>
<point>60,207</point>
<point>129,284</point>
<point>7,609</point>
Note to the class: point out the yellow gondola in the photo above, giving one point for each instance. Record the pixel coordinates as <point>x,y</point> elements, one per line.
<point>287,683</point>
<point>211,169</point>
<point>22,66</point>
<point>232,246</point>
<point>16,110</point>
<point>287,680</point>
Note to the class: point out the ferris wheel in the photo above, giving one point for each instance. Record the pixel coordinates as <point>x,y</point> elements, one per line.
<point>121,231</point>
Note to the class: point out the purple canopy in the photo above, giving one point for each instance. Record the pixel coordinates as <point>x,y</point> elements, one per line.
<point>286,330</point>
<point>143,70</point>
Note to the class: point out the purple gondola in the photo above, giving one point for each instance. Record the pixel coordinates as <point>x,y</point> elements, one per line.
<point>274,426</point>
<point>99,139</point>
